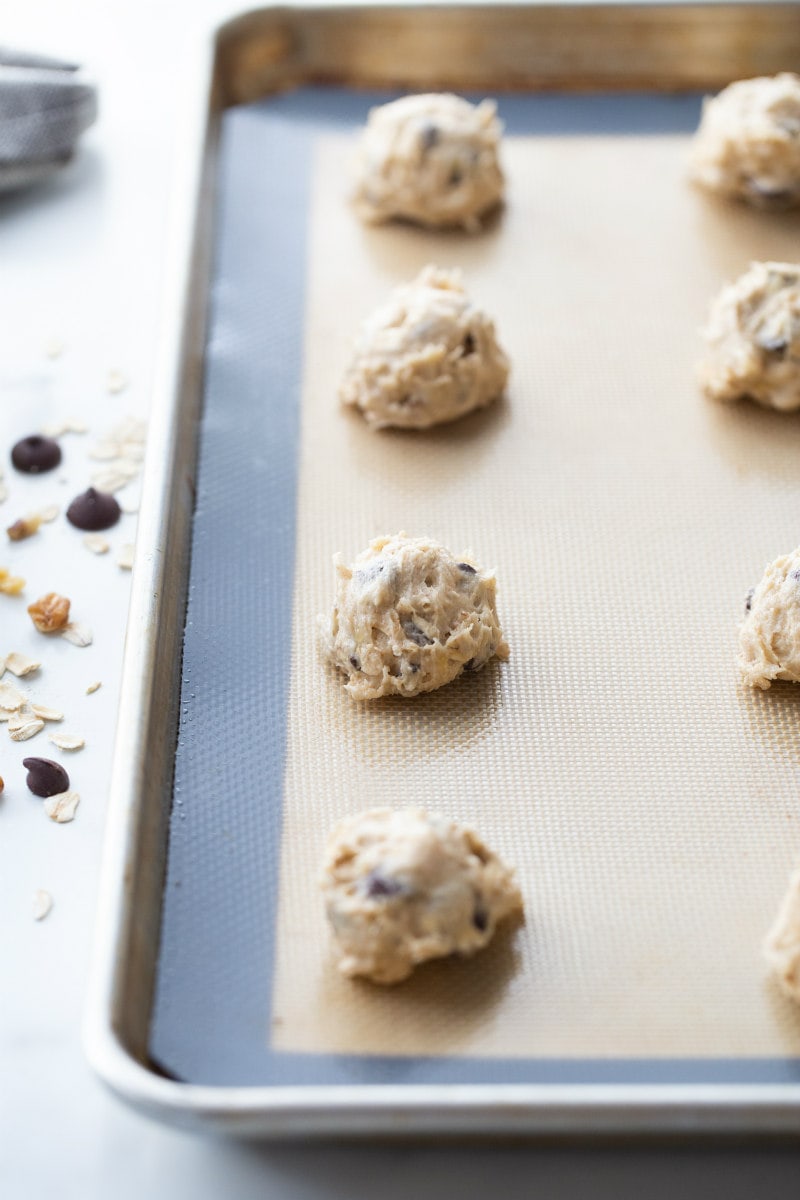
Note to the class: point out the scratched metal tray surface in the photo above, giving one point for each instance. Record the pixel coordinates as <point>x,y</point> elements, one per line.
<point>213,1000</point>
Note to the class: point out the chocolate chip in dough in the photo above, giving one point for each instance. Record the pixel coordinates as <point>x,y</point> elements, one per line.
<point>428,136</point>
<point>379,885</point>
<point>45,777</point>
<point>93,511</point>
<point>415,634</point>
<point>480,918</point>
<point>36,454</point>
<point>773,345</point>
<point>775,198</point>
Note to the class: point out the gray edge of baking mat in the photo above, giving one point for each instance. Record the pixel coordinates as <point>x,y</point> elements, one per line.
<point>210,1017</point>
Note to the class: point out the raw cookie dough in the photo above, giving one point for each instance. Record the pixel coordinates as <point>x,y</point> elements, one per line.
<point>769,639</point>
<point>430,159</point>
<point>405,886</point>
<point>748,144</point>
<point>753,338</point>
<point>409,617</point>
<point>782,947</point>
<point>428,355</point>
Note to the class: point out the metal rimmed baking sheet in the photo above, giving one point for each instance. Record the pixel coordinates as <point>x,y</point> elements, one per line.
<point>596,780</point>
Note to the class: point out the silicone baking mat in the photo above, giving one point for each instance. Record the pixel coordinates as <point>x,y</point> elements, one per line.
<point>650,804</point>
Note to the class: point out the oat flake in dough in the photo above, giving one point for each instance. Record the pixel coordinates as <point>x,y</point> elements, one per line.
<point>748,144</point>
<point>769,639</point>
<point>409,617</point>
<point>405,886</point>
<point>782,947</point>
<point>427,356</point>
<point>753,338</point>
<point>432,159</point>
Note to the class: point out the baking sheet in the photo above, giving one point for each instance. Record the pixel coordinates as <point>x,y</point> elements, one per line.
<point>649,804</point>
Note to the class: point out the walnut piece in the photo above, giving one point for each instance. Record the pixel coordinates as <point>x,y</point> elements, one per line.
<point>12,585</point>
<point>50,613</point>
<point>25,527</point>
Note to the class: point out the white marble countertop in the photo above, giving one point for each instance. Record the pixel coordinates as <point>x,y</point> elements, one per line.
<point>80,264</point>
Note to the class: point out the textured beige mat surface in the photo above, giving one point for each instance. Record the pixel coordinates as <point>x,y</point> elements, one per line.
<point>651,806</point>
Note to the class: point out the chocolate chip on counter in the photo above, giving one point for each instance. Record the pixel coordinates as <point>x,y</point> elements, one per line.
<point>466,568</point>
<point>36,454</point>
<point>468,346</point>
<point>45,777</point>
<point>748,600</point>
<point>93,511</point>
<point>415,634</point>
<point>378,885</point>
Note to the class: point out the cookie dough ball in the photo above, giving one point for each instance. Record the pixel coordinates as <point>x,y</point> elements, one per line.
<point>430,159</point>
<point>769,639</point>
<point>409,617</point>
<point>748,144</point>
<point>425,357</point>
<point>402,887</point>
<point>782,947</point>
<point>753,339</point>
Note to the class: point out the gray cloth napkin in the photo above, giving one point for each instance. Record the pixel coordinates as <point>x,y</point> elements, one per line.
<point>45,105</point>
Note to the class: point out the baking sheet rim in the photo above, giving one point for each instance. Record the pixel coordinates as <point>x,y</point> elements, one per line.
<point>506,1109</point>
